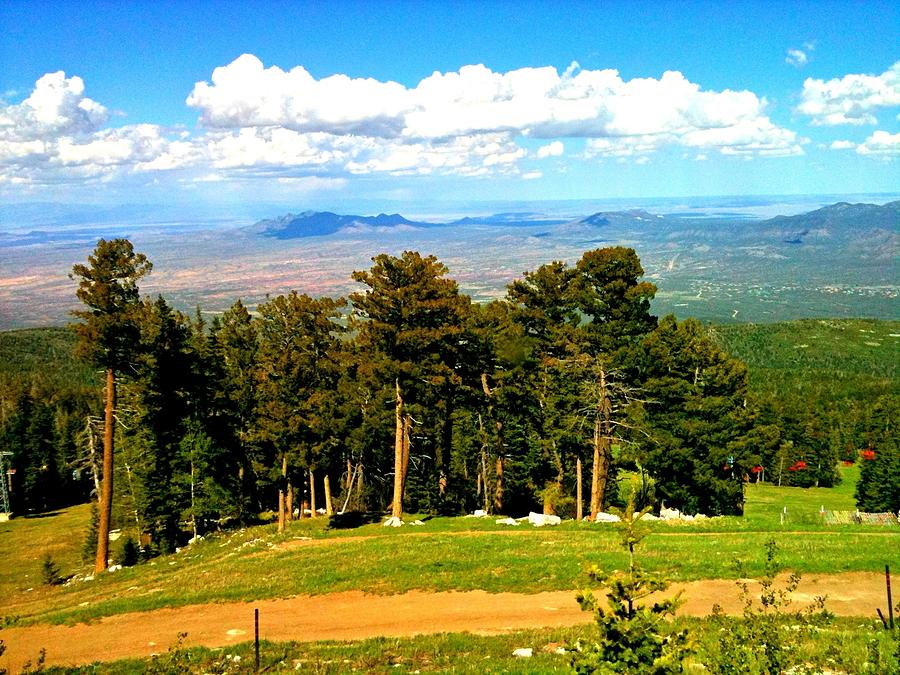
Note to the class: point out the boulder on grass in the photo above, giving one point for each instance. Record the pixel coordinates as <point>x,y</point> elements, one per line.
<point>541,519</point>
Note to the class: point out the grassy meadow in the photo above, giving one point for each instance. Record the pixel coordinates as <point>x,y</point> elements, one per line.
<point>443,554</point>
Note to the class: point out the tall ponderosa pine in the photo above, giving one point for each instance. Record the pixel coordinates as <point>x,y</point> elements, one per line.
<point>107,286</point>
<point>412,321</point>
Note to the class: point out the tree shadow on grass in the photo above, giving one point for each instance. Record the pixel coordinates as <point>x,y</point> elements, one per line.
<point>48,514</point>
<point>353,519</point>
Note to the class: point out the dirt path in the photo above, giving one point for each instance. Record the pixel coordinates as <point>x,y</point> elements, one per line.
<point>356,615</point>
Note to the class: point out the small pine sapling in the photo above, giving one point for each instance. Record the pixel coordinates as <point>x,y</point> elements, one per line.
<point>50,571</point>
<point>130,553</point>
<point>634,637</point>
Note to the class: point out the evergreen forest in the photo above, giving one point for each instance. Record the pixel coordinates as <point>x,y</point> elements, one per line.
<point>408,397</point>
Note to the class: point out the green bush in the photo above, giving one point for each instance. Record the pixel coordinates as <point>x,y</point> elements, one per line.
<point>130,552</point>
<point>769,635</point>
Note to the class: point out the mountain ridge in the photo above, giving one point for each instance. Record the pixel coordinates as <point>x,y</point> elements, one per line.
<point>819,222</point>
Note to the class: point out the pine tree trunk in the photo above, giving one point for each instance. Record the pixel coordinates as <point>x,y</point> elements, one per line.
<point>289,503</point>
<point>407,425</point>
<point>329,509</point>
<point>106,490</point>
<point>595,474</point>
<point>281,498</point>
<point>498,485</point>
<point>312,494</point>
<point>579,514</point>
<point>602,431</point>
<point>397,503</point>
<point>445,447</point>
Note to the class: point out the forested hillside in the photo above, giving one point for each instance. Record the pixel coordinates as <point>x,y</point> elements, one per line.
<point>411,397</point>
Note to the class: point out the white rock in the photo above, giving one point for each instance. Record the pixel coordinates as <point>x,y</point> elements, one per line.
<point>523,652</point>
<point>649,516</point>
<point>669,514</point>
<point>607,518</point>
<point>393,521</point>
<point>541,519</point>
<point>560,650</point>
<point>479,513</point>
<point>417,522</point>
<point>113,568</point>
<point>506,521</point>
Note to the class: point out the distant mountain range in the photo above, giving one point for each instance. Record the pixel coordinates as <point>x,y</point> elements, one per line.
<point>790,229</point>
<point>320,223</point>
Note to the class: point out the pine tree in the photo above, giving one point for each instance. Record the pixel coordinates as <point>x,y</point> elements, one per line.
<point>696,417</point>
<point>107,286</point>
<point>878,489</point>
<point>235,351</point>
<point>411,320</point>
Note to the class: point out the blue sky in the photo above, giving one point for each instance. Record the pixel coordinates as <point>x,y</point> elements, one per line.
<point>321,103</point>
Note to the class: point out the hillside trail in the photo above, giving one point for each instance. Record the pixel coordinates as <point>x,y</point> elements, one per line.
<point>356,615</point>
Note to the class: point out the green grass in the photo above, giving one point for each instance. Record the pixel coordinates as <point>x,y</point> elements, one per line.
<point>846,645</point>
<point>444,554</point>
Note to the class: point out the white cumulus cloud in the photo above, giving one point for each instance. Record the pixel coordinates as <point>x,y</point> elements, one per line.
<point>554,149</point>
<point>247,94</point>
<point>57,135</point>
<point>842,145</point>
<point>476,101</point>
<point>852,99</point>
<point>57,106</point>
<point>880,144</point>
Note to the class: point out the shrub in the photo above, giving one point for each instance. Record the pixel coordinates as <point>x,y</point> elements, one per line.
<point>767,638</point>
<point>50,571</point>
<point>633,638</point>
<point>130,553</point>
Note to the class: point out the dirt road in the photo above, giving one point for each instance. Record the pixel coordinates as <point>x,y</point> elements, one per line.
<point>356,615</point>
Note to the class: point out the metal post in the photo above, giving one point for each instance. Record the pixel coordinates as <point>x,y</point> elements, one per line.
<point>887,579</point>
<point>256,635</point>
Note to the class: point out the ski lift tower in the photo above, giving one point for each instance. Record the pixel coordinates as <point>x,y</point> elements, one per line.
<point>5,474</point>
